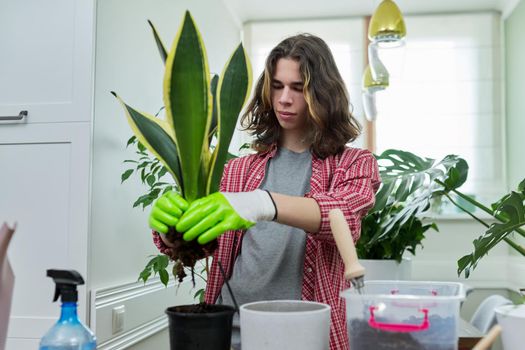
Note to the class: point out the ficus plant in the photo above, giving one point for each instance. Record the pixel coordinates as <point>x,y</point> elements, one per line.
<point>191,141</point>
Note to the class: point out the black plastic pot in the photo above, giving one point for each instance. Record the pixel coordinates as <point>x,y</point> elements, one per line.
<point>190,330</point>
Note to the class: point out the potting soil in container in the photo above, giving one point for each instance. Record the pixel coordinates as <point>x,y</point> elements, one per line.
<point>404,315</point>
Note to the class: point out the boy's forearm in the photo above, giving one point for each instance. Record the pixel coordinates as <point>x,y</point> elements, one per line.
<point>300,212</point>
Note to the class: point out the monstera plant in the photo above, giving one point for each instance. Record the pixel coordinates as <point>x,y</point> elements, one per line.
<point>410,185</point>
<point>191,142</point>
<point>509,215</point>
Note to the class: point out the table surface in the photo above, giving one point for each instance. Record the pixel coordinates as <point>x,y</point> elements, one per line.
<point>468,335</point>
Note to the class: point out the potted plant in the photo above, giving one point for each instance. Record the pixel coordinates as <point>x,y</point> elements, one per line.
<point>509,215</point>
<point>410,185</point>
<point>191,144</point>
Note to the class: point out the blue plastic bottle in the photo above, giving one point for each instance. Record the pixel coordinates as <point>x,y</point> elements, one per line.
<point>68,333</point>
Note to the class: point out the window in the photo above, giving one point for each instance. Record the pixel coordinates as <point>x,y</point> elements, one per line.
<point>445,95</point>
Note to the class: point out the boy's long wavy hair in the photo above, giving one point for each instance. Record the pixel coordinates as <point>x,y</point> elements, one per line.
<point>330,123</point>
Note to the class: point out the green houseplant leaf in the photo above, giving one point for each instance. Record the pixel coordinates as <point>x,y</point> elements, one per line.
<point>162,49</point>
<point>236,76</point>
<point>213,125</point>
<point>409,184</point>
<point>510,210</point>
<point>156,135</point>
<point>188,102</point>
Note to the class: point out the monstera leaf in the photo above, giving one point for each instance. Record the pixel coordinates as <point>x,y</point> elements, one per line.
<point>409,185</point>
<point>510,210</point>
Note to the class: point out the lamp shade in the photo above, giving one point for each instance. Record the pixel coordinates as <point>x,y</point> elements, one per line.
<point>372,85</point>
<point>387,24</point>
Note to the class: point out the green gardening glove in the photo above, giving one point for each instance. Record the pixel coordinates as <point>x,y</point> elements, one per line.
<point>209,217</point>
<point>166,211</point>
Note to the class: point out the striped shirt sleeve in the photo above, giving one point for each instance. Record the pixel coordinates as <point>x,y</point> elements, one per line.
<point>353,186</point>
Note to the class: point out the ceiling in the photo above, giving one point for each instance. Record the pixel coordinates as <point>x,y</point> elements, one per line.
<point>257,10</point>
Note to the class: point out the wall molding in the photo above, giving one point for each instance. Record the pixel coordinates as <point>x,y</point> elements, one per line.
<point>144,304</point>
<point>131,337</point>
<point>107,296</point>
<point>508,7</point>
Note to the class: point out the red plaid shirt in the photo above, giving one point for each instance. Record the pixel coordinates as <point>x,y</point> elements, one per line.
<point>347,181</point>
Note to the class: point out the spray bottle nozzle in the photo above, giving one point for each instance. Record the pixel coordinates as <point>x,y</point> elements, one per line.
<point>66,282</point>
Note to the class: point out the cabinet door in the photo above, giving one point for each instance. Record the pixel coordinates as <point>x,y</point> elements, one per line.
<point>44,187</point>
<point>46,58</point>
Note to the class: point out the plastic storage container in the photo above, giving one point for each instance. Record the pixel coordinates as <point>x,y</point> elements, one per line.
<point>406,315</point>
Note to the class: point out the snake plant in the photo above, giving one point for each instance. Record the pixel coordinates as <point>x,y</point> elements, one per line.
<point>182,141</point>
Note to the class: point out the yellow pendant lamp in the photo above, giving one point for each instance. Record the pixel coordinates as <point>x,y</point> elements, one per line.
<point>386,29</point>
<point>373,85</point>
<point>387,25</point>
<point>369,88</point>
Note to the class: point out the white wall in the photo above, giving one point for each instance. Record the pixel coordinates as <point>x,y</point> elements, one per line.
<point>437,260</point>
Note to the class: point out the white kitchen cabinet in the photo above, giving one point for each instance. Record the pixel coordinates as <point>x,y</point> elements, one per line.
<point>46,69</point>
<point>45,188</point>
<point>46,60</point>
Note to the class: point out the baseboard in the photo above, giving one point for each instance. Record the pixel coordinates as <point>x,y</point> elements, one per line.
<point>144,306</point>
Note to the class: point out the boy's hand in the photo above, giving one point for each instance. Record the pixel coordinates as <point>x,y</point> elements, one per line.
<point>207,218</point>
<point>166,211</point>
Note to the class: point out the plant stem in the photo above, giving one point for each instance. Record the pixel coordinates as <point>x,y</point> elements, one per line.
<point>475,202</point>
<point>479,205</point>
<point>466,211</point>
<point>196,274</point>
<point>515,245</point>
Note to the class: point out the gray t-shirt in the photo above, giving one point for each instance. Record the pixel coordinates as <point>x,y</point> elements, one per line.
<point>270,264</point>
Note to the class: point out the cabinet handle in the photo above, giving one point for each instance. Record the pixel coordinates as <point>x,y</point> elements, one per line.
<point>20,116</point>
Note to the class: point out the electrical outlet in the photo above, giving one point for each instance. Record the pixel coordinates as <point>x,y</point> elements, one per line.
<point>118,318</point>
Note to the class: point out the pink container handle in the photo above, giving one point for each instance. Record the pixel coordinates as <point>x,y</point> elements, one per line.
<point>399,327</point>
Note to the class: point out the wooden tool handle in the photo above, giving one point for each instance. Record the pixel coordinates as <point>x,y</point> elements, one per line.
<point>488,339</point>
<point>345,244</point>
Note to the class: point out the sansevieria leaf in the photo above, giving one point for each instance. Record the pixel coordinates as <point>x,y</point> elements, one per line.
<point>156,135</point>
<point>213,124</point>
<point>236,77</point>
<point>188,104</point>
<point>160,46</point>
